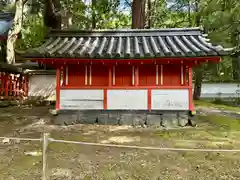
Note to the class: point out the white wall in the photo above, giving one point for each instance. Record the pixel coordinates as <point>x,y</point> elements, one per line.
<point>220,90</point>
<point>127,99</point>
<point>170,99</point>
<point>81,99</point>
<point>42,86</point>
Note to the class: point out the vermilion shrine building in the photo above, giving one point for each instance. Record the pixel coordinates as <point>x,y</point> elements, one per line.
<point>125,69</point>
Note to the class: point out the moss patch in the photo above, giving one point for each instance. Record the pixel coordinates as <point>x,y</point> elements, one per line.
<point>222,122</point>
<point>213,105</point>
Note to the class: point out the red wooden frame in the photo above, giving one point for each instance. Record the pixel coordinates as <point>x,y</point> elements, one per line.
<point>13,86</point>
<point>187,83</point>
<point>124,87</point>
<point>183,60</point>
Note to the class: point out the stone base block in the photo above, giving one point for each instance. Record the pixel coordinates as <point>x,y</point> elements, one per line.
<point>143,119</point>
<point>153,120</point>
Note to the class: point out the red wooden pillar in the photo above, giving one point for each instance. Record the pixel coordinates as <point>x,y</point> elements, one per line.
<point>18,85</point>
<point>11,86</point>
<point>6,84</point>
<point>64,75</point>
<point>2,83</point>
<point>191,105</point>
<point>110,83</point>
<point>58,83</point>
<point>149,92</point>
<point>136,75</point>
<point>14,85</point>
<point>110,76</point>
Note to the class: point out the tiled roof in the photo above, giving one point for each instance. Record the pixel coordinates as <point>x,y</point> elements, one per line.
<point>123,44</point>
<point>5,23</point>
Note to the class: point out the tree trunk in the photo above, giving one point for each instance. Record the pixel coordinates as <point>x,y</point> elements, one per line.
<point>236,66</point>
<point>198,83</point>
<point>94,14</point>
<point>52,15</point>
<point>149,25</point>
<point>3,52</point>
<point>199,70</point>
<point>235,39</point>
<point>14,31</point>
<point>138,14</point>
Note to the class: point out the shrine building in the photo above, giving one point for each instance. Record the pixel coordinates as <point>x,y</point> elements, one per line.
<point>133,69</point>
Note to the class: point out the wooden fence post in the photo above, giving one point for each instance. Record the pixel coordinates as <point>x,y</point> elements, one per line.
<point>44,156</point>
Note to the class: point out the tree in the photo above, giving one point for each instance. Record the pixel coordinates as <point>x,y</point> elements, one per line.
<point>222,18</point>
<point>94,3</point>
<point>138,14</point>
<point>14,31</point>
<point>52,15</point>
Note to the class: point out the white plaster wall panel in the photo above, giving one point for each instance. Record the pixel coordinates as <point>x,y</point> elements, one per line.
<point>42,86</point>
<point>221,90</point>
<point>127,99</point>
<point>81,99</point>
<point>167,99</point>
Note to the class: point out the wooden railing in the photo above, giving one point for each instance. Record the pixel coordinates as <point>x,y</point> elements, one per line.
<point>13,86</point>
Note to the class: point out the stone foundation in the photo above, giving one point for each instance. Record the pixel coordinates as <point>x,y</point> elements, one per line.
<point>132,118</point>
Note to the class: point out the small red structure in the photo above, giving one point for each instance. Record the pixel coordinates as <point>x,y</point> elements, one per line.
<point>13,86</point>
<point>125,69</point>
<point>13,83</point>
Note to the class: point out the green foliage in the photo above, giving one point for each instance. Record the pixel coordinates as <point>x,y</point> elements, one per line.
<point>107,17</point>
<point>33,32</point>
<point>220,19</point>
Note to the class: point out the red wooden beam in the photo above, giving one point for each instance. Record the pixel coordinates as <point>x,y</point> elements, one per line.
<point>185,60</point>
<point>125,87</point>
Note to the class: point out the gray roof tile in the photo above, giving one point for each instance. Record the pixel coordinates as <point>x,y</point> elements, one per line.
<point>131,43</point>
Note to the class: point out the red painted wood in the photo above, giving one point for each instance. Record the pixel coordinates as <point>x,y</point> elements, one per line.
<point>76,75</point>
<point>147,75</point>
<point>125,87</point>
<point>109,76</point>
<point>100,74</point>
<point>6,84</point>
<point>187,60</point>
<point>64,75</point>
<point>105,99</point>
<point>149,99</point>
<point>12,87</point>
<point>123,75</point>
<point>191,105</point>
<point>184,75</point>
<point>171,75</point>
<point>136,76</point>
<point>58,84</point>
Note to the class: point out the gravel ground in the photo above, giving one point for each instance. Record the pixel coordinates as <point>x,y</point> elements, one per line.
<point>22,160</point>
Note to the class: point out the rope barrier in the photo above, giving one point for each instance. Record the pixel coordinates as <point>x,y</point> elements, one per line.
<point>124,146</point>
<point>21,139</point>
<point>144,147</point>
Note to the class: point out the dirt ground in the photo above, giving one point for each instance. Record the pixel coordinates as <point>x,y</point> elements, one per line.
<point>22,160</point>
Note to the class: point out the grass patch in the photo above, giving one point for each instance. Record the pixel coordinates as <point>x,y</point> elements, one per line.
<point>220,106</point>
<point>224,122</point>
